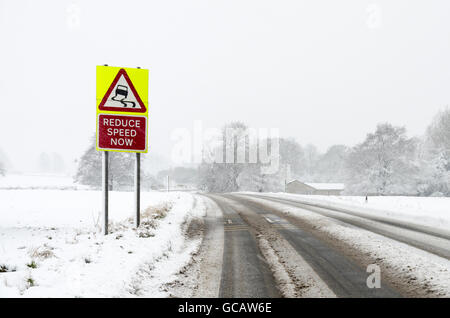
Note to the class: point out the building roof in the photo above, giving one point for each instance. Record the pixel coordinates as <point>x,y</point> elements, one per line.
<point>322,186</point>
<point>326,186</point>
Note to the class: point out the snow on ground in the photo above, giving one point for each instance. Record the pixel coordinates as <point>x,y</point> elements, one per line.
<point>429,211</point>
<point>50,245</point>
<point>67,208</point>
<point>401,260</point>
<point>38,181</point>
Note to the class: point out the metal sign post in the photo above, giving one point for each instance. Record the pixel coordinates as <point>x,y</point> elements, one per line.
<point>137,190</point>
<point>105,191</point>
<point>168,182</point>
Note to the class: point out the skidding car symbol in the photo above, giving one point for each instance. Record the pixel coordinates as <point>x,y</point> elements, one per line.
<point>121,93</point>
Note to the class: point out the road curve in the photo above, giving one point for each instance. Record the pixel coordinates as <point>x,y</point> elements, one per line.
<point>422,237</point>
<point>344,277</point>
<point>245,272</point>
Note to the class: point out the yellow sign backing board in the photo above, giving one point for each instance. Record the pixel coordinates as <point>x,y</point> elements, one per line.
<point>122,109</point>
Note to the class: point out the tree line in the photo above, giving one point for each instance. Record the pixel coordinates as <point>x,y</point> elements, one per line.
<point>386,162</point>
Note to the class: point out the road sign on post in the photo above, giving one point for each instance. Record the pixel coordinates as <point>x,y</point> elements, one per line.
<point>122,117</point>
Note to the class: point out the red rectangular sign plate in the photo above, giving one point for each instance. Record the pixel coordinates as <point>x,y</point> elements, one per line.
<point>122,132</point>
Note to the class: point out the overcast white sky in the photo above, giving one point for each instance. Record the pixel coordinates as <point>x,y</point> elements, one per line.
<point>323,71</point>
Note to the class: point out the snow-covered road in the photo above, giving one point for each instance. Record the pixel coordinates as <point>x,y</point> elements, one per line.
<point>412,269</point>
<point>233,245</point>
<point>432,212</point>
<point>427,238</point>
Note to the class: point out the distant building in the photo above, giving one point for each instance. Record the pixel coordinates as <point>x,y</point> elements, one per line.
<point>298,187</point>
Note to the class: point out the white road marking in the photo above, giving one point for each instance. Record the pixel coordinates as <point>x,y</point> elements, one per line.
<point>268,220</point>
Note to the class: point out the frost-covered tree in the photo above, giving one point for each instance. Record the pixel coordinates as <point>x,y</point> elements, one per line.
<point>234,135</point>
<point>50,163</point>
<point>57,163</point>
<point>250,179</point>
<point>383,164</point>
<point>121,169</point>
<point>5,163</point>
<point>217,177</point>
<point>44,162</point>
<point>89,170</point>
<point>331,166</point>
<point>293,156</point>
<point>435,175</point>
<point>438,133</point>
<point>235,171</point>
<point>2,169</point>
<point>435,157</point>
<point>311,157</point>
<point>253,179</point>
<point>222,176</point>
<point>273,182</point>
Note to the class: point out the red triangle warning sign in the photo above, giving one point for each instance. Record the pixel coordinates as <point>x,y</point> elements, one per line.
<point>122,96</point>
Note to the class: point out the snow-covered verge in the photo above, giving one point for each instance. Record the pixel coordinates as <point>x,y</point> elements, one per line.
<point>38,181</point>
<point>428,211</point>
<point>50,244</point>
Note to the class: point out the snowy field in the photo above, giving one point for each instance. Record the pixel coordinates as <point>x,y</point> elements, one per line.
<point>38,181</point>
<point>51,246</point>
<point>428,211</point>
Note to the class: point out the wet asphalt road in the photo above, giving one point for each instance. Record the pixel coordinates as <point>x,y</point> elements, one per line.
<point>245,272</point>
<point>431,240</point>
